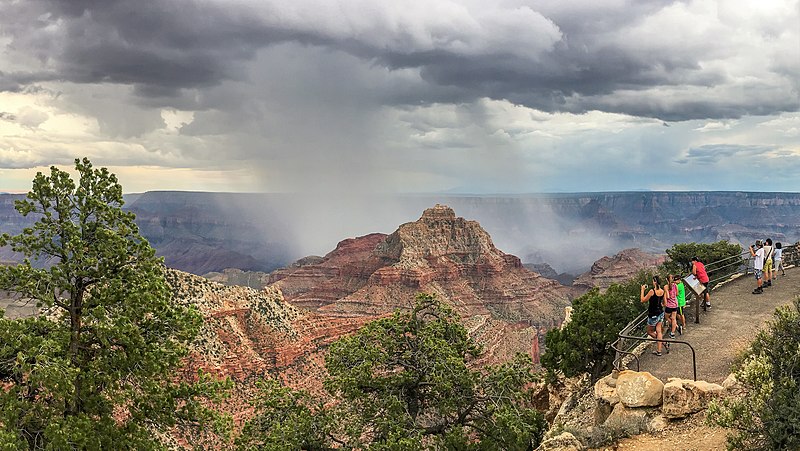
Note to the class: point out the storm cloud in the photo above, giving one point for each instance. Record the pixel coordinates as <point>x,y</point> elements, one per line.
<point>636,58</point>
<point>340,97</point>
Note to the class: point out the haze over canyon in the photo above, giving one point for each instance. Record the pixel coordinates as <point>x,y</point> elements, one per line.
<point>204,232</point>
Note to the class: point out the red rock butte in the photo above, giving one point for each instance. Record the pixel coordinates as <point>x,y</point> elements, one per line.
<point>505,306</point>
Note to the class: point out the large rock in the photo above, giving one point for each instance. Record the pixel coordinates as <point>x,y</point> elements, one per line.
<point>628,421</point>
<point>605,395</point>
<point>639,389</point>
<point>563,442</point>
<point>684,397</point>
<point>605,390</point>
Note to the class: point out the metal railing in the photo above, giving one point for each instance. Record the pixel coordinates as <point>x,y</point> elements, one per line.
<point>663,340</point>
<point>635,332</point>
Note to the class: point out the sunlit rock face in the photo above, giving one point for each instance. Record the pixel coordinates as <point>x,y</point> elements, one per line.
<point>505,306</point>
<point>618,268</point>
<point>248,334</point>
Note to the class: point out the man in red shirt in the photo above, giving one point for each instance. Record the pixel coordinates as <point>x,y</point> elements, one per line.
<point>699,271</point>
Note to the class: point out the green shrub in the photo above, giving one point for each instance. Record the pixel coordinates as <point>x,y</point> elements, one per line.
<point>582,345</point>
<point>680,257</point>
<point>404,383</point>
<point>768,415</point>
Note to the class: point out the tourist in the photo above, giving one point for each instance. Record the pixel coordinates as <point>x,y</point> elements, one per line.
<point>778,264</point>
<point>681,304</point>
<point>757,253</point>
<point>655,315</point>
<point>699,271</point>
<point>671,304</point>
<point>768,263</point>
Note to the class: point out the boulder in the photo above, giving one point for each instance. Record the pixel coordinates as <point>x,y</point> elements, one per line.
<point>732,386</point>
<point>605,390</point>
<point>563,442</point>
<point>628,421</point>
<point>639,389</point>
<point>683,397</point>
<point>605,395</point>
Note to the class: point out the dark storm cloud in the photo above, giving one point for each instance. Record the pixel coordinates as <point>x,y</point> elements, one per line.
<point>549,55</point>
<point>715,153</point>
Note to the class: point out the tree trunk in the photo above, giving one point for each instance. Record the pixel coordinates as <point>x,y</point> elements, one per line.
<point>75,320</point>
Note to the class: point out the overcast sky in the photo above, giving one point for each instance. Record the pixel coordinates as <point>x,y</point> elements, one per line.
<point>462,96</point>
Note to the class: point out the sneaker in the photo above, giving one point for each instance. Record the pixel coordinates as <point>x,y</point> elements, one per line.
<point>657,353</point>
<point>672,335</point>
<point>708,305</point>
<point>758,290</point>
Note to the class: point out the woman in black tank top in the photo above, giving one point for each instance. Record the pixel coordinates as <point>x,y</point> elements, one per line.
<point>655,311</point>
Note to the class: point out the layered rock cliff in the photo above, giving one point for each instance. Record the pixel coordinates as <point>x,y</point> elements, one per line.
<point>249,334</point>
<point>505,306</point>
<point>617,269</point>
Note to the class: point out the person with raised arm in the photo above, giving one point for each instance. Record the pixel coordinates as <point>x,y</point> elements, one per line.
<point>655,312</point>
<point>757,252</point>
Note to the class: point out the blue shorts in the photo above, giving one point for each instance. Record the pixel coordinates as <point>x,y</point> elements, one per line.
<point>653,320</point>
<point>758,273</point>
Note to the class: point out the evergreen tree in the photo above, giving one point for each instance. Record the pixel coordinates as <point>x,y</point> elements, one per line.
<point>680,257</point>
<point>582,345</point>
<point>404,382</point>
<point>96,369</point>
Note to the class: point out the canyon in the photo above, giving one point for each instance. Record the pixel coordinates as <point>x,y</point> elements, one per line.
<point>210,232</point>
<point>283,329</point>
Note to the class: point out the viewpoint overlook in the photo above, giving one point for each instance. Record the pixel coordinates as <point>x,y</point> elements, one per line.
<point>284,326</point>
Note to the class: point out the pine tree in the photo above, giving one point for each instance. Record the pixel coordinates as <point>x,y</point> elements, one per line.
<point>96,369</point>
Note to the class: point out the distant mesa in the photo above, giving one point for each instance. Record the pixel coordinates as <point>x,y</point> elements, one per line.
<point>209,232</point>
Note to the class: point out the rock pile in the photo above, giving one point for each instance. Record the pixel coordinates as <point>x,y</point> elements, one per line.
<point>631,398</point>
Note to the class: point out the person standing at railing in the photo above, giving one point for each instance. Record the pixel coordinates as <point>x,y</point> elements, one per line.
<point>655,314</point>
<point>758,265</point>
<point>778,257</point>
<point>699,271</point>
<point>768,254</point>
<point>671,304</point>
<point>681,303</point>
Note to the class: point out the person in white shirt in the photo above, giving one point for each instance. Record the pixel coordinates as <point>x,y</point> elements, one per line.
<point>758,265</point>
<point>778,266</point>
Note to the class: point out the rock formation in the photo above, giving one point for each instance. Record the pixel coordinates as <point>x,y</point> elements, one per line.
<point>617,269</point>
<point>249,334</point>
<point>504,306</point>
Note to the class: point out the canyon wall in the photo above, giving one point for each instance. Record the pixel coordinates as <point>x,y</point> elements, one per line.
<point>205,232</point>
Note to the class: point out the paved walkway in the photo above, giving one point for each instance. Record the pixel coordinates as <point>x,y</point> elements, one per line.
<point>724,331</point>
